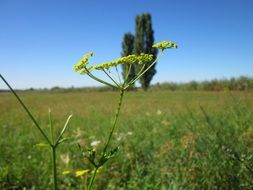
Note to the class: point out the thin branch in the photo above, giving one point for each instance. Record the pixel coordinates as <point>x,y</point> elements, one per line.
<point>27,110</point>
<point>111,78</point>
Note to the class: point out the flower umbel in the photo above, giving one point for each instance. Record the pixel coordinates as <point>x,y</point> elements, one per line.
<point>81,65</point>
<point>146,60</point>
<point>164,45</point>
<point>130,59</point>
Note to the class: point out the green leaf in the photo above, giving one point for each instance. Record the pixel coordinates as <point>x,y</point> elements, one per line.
<point>63,130</point>
<point>62,140</point>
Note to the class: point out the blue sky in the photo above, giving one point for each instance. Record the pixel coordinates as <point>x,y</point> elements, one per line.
<point>41,40</point>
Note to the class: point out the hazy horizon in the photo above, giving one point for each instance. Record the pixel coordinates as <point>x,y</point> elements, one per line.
<point>98,85</point>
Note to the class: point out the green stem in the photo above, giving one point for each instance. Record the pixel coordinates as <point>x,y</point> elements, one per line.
<point>142,68</point>
<point>111,78</point>
<point>127,74</point>
<point>99,80</point>
<point>59,138</point>
<point>27,110</point>
<point>118,74</point>
<point>92,179</point>
<point>51,126</point>
<point>133,79</point>
<point>53,150</point>
<point>122,90</point>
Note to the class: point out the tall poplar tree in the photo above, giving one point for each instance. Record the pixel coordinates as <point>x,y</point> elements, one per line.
<point>127,49</point>
<point>144,39</point>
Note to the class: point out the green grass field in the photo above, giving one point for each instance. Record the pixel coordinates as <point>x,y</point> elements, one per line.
<point>168,140</point>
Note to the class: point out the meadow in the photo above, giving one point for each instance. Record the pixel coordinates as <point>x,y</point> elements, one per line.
<point>167,139</point>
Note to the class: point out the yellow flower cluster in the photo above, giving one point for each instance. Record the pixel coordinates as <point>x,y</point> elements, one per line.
<point>77,173</point>
<point>164,45</point>
<point>81,172</point>
<point>81,66</point>
<point>83,62</point>
<point>130,59</point>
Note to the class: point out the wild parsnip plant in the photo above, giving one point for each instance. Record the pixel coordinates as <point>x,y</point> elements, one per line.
<point>121,84</point>
<point>51,141</point>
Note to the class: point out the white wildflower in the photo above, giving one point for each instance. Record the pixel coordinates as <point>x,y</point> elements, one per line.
<point>65,158</point>
<point>120,137</point>
<point>159,112</point>
<point>130,133</point>
<point>95,143</point>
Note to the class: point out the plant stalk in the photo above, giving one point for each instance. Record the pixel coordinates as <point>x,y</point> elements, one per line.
<point>27,110</point>
<point>93,178</point>
<point>53,151</point>
<point>99,80</point>
<point>122,90</point>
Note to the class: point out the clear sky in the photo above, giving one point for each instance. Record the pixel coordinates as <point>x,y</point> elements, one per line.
<point>41,40</point>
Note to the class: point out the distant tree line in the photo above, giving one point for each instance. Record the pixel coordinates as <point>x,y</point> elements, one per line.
<point>242,83</point>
